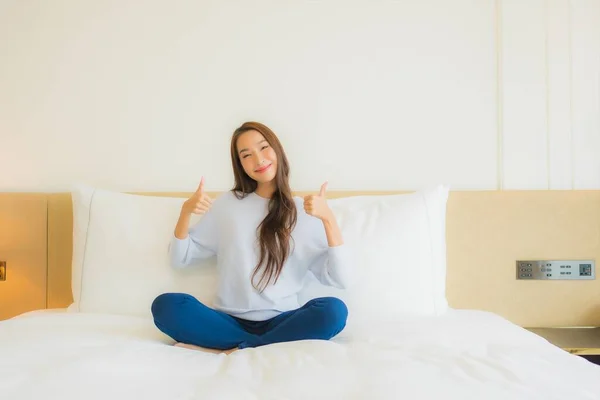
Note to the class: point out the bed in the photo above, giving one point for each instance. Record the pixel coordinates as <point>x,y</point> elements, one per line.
<point>460,355</point>
<point>402,340</point>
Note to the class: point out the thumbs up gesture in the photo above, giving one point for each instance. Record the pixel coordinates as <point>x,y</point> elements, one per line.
<point>199,202</point>
<point>316,205</point>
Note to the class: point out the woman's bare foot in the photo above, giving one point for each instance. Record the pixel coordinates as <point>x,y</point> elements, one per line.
<point>204,349</point>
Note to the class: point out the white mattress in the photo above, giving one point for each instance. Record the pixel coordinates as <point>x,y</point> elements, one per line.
<point>462,355</point>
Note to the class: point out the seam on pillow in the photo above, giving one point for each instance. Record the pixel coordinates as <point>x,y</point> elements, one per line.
<point>87,232</point>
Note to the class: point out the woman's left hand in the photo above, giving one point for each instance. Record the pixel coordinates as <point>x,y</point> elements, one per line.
<point>316,205</point>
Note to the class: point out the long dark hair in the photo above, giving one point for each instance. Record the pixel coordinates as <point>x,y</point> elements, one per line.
<point>274,232</point>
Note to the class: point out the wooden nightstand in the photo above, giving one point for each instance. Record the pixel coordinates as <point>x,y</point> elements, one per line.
<point>581,341</point>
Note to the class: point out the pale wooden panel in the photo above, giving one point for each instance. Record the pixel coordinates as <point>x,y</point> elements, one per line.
<point>23,246</point>
<point>523,86</point>
<point>60,248</point>
<point>486,233</point>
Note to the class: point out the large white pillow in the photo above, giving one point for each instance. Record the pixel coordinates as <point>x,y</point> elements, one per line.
<point>399,255</point>
<point>120,253</point>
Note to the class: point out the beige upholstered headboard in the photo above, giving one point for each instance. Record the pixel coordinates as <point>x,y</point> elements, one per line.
<point>487,231</point>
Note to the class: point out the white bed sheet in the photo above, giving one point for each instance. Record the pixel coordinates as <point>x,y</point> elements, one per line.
<point>462,355</point>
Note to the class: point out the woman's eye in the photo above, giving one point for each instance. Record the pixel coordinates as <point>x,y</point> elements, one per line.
<point>264,147</point>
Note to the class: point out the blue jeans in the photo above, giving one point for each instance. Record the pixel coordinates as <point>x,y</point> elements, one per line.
<point>185,319</point>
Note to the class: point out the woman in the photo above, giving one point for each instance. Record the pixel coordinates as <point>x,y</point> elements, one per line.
<point>265,241</point>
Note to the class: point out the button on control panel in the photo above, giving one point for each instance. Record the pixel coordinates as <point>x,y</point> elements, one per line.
<point>556,270</point>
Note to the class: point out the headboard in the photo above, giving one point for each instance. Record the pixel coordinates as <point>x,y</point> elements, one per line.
<point>487,231</point>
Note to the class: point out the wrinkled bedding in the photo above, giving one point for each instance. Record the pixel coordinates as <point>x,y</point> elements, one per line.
<point>463,354</point>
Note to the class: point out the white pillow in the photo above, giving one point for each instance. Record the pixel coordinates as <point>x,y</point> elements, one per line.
<point>120,253</point>
<point>399,253</point>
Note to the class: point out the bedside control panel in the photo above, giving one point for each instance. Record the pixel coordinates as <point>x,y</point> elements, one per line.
<point>556,269</point>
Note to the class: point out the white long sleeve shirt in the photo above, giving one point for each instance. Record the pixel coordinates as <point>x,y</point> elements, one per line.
<point>229,232</point>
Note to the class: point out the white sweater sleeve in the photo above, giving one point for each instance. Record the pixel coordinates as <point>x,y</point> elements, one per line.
<point>201,242</point>
<point>334,267</point>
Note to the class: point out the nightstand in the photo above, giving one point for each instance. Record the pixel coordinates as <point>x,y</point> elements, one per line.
<point>581,341</point>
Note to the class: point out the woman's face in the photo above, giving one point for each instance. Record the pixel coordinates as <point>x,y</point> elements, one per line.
<point>257,156</point>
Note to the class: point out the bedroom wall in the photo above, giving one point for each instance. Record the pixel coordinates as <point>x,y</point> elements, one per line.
<point>389,95</point>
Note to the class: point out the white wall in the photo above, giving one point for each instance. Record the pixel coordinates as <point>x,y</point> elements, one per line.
<point>144,95</point>
<point>550,94</point>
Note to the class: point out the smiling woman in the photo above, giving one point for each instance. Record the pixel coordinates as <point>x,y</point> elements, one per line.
<point>256,149</point>
<point>266,241</point>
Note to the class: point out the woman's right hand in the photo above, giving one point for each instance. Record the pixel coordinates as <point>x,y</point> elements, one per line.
<point>199,203</point>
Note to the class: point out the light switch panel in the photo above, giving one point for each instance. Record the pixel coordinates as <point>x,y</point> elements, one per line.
<point>556,269</point>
